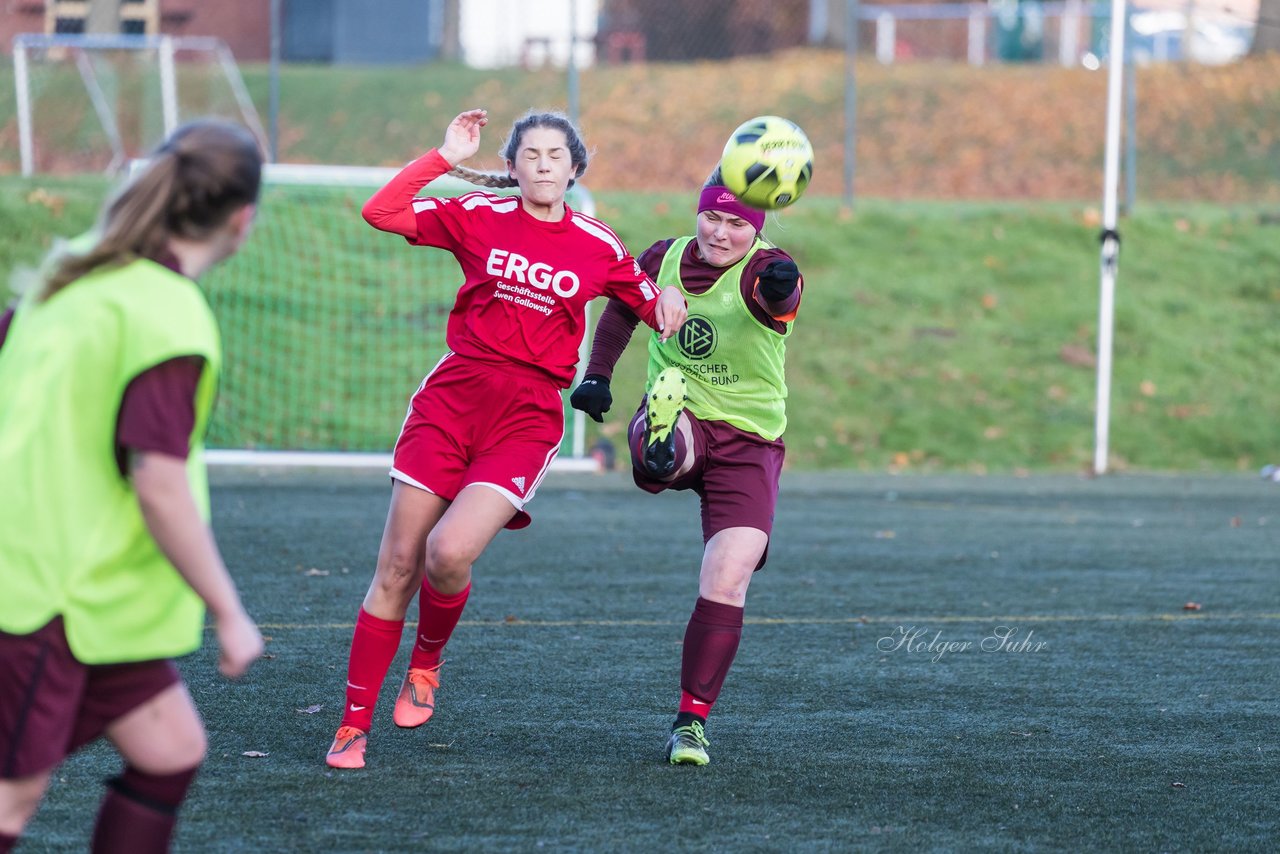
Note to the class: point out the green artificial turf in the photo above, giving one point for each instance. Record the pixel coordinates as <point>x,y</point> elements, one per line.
<point>1113,719</point>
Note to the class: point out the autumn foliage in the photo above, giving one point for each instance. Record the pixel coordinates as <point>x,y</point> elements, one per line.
<point>946,131</point>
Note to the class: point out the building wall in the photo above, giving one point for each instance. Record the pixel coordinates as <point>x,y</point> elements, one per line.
<point>19,16</point>
<point>245,25</point>
<point>384,31</point>
<point>362,31</point>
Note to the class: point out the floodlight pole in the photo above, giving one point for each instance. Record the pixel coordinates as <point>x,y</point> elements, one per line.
<point>850,98</point>
<point>26,146</point>
<point>1130,170</point>
<point>572,63</point>
<point>168,85</point>
<point>273,103</point>
<point>1110,237</point>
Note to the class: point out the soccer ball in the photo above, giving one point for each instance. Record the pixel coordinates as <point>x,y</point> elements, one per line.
<point>767,162</point>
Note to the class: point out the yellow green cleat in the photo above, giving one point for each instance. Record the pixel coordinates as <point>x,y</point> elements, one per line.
<point>688,745</point>
<point>667,397</point>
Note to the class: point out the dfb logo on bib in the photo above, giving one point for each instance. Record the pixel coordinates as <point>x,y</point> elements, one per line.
<point>514,266</point>
<point>697,338</point>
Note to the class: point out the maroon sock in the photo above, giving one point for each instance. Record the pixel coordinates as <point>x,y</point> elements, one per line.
<point>438,616</point>
<point>373,646</point>
<point>710,643</point>
<point>140,811</point>
<point>635,442</point>
<point>7,842</point>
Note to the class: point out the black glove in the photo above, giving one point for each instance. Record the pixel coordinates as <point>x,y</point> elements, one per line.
<point>778,280</point>
<point>592,396</point>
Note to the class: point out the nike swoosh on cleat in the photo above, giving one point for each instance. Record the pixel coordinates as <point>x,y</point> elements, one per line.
<point>699,703</point>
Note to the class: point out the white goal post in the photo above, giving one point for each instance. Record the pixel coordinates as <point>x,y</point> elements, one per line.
<point>82,51</point>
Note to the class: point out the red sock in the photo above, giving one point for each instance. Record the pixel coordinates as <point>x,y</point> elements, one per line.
<point>710,643</point>
<point>438,616</point>
<point>373,647</point>
<point>139,812</point>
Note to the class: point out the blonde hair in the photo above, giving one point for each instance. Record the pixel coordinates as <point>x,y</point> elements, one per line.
<point>511,147</point>
<point>199,177</point>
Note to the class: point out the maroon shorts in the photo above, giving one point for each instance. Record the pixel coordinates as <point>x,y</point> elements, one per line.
<point>52,704</point>
<point>734,472</point>
<point>472,423</point>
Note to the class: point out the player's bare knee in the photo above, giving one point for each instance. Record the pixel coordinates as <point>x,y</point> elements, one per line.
<point>399,571</point>
<point>189,754</point>
<point>727,593</point>
<point>449,562</point>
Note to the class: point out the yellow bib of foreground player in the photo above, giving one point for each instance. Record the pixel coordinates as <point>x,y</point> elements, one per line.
<point>72,538</point>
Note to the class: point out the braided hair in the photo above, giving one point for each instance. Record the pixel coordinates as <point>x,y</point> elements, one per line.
<point>511,147</point>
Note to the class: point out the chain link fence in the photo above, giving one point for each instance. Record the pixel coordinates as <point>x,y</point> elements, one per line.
<point>940,100</point>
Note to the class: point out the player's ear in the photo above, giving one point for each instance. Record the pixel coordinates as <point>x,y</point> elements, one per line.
<point>245,218</point>
<point>241,224</point>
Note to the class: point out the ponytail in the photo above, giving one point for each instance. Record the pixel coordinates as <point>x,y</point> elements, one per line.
<point>195,181</point>
<point>132,226</point>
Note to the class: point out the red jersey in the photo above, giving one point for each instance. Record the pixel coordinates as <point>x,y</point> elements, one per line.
<point>526,281</point>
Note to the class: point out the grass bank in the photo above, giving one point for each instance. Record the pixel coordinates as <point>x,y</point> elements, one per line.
<point>953,336</point>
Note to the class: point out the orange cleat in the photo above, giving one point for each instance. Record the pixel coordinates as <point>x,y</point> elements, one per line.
<point>347,750</point>
<point>417,700</point>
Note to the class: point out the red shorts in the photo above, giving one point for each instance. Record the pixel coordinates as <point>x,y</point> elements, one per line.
<point>52,704</point>
<point>473,423</point>
<point>734,472</point>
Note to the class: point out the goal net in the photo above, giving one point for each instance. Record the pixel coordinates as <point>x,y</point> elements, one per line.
<point>330,325</point>
<point>88,103</point>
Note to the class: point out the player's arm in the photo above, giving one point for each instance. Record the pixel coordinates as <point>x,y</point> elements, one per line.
<point>391,208</point>
<point>613,332</point>
<point>776,284</point>
<point>6,319</point>
<point>631,282</point>
<point>157,415</point>
<point>169,510</point>
<point>614,329</point>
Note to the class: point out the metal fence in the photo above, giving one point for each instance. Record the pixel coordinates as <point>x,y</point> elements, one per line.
<point>899,100</point>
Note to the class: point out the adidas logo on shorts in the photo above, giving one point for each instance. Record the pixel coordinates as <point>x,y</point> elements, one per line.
<point>519,482</point>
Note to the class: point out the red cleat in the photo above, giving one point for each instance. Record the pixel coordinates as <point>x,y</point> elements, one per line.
<point>417,701</point>
<point>347,750</point>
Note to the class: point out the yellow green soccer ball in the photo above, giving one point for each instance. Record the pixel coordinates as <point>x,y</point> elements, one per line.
<point>767,162</point>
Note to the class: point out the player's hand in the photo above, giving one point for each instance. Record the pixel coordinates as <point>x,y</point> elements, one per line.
<point>778,280</point>
<point>671,313</point>
<point>593,397</point>
<point>462,136</point>
<point>239,642</point>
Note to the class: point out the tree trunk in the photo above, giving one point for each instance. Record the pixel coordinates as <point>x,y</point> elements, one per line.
<point>1266,37</point>
<point>451,37</point>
